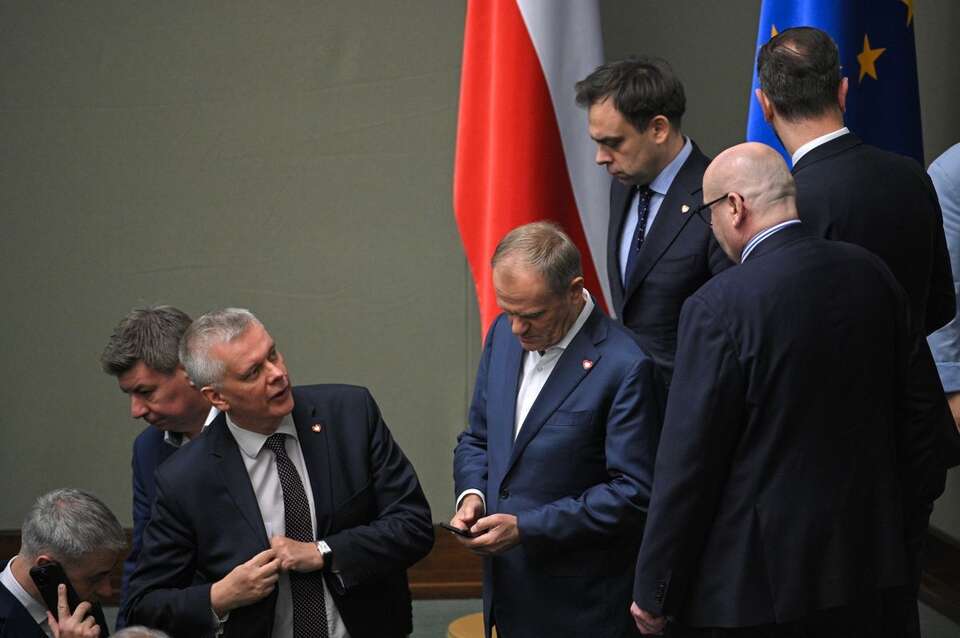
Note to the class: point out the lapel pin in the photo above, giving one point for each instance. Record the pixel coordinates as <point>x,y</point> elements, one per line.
<point>317,427</point>
<point>684,209</point>
<point>587,364</point>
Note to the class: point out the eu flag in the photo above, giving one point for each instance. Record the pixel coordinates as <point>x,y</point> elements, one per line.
<point>877,55</point>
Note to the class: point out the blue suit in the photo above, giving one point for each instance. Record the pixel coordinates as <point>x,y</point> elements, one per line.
<point>149,451</point>
<point>206,520</point>
<point>577,477</point>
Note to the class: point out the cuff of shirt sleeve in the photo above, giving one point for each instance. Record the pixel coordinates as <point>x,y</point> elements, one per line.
<point>219,622</point>
<point>464,494</point>
<point>949,376</point>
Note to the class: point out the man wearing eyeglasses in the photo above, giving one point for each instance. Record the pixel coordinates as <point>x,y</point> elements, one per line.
<point>656,257</point>
<point>798,453</point>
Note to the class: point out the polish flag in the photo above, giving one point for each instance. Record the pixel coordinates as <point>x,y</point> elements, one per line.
<point>523,151</point>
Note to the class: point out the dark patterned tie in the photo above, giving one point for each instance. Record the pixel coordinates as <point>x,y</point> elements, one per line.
<point>309,607</point>
<point>643,211</point>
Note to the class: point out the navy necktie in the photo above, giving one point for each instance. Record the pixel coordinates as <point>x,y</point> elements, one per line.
<point>643,212</point>
<point>309,606</point>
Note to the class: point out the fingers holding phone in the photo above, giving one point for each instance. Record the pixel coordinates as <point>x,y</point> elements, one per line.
<point>72,625</point>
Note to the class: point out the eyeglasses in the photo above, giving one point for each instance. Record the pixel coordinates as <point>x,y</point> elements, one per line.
<point>703,210</point>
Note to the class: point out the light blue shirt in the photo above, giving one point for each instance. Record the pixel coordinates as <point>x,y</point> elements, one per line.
<point>660,185</point>
<point>763,234</point>
<point>945,342</point>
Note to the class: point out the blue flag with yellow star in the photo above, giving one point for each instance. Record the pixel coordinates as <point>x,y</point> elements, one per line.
<point>877,55</point>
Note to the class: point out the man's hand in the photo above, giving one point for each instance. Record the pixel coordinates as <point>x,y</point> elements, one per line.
<point>647,623</point>
<point>296,555</point>
<point>471,509</point>
<point>246,583</point>
<point>75,625</point>
<point>494,534</point>
<point>953,399</point>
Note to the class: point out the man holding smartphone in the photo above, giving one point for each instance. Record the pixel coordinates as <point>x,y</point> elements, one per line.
<point>553,472</point>
<point>68,535</point>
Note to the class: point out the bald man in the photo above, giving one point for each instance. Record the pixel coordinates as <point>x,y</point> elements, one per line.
<point>797,454</point>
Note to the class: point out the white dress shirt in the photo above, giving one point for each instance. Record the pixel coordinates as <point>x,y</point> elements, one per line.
<point>814,143</point>
<point>537,368</point>
<point>36,610</point>
<point>262,468</point>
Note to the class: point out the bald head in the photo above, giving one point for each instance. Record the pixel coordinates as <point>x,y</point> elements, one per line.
<point>761,193</point>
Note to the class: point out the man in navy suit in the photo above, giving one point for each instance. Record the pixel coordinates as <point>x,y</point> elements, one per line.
<point>554,469</point>
<point>656,258</point>
<point>142,354</point>
<point>798,457</point>
<point>76,530</point>
<point>296,507</point>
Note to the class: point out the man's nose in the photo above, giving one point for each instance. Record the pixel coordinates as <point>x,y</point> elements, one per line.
<point>518,326</point>
<point>104,589</point>
<point>603,157</point>
<point>138,407</point>
<point>275,371</point>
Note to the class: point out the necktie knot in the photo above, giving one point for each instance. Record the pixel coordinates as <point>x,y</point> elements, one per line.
<point>275,442</point>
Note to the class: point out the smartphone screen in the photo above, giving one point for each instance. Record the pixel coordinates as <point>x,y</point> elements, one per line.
<point>47,578</point>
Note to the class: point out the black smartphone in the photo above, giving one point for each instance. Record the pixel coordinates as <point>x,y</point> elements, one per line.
<point>47,578</point>
<point>456,530</point>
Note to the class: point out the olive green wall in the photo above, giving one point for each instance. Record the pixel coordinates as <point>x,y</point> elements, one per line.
<point>295,158</point>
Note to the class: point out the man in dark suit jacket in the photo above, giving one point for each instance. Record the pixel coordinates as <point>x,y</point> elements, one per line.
<point>295,505</point>
<point>142,355</point>
<point>849,190</point>
<point>554,469</point>
<point>635,107</point>
<point>798,453</point>
<point>75,529</point>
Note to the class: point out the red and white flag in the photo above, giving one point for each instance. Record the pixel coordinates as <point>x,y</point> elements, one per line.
<point>523,152</point>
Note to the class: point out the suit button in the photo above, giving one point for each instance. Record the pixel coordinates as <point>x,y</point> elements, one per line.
<point>504,495</point>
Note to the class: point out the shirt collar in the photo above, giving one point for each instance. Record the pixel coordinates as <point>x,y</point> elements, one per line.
<point>661,183</point>
<point>252,442</point>
<point>177,439</point>
<point>36,610</point>
<point>814,143</point>
<point>763,234</point>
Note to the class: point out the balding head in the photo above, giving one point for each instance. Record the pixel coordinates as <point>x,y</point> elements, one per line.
<point>760,194</point>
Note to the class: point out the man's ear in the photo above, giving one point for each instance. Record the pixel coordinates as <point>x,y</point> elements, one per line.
<point>737,208</point>
<point>216,399</point>
<point>765,105</point>
<point>659,125</point>
<point>43,559</point>
<point>842,94</point>
<point>576,289</point>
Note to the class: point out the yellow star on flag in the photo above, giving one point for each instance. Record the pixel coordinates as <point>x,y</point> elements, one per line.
<point>868,59</point>
<point>909,4</point>
<point>773,31</point>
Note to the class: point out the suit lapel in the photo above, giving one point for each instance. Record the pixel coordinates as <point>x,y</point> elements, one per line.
<point>674,214</point>
<point>316,456</point>
<point>508,392</point>
<point>229,463</point>
<point>565,377</point>
<point>620,198</point>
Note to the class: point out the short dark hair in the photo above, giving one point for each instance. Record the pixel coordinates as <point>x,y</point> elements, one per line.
<point>151,335</point>
<point>641,88</point>
<point>546,248</point>
<point>799,71</point>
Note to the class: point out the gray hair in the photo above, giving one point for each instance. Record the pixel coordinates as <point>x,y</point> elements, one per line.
<point>218,326</point>
<point>150,334</point>
<point>545,247</point>
<point>140,631</point>
<point>70,524</point>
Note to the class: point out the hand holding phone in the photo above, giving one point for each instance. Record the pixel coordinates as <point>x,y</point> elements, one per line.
<point>80,624</point>
<point>48,577</point>
<point>463,533</point>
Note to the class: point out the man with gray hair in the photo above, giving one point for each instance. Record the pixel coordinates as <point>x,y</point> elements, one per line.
<point>554,469</point>
<point>798,458</point>
<point>75,529</point>
<point>139,631</point>
<point>142,354</point>
<point>295,505</point>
